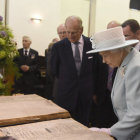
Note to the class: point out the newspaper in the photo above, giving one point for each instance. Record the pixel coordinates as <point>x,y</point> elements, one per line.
<point>61,129</point>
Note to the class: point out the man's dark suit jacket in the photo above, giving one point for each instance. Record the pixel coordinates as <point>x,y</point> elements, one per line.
<point>25,84</point>
<point>103,114</point>
<point>74,92</point>
<point>102,79</point>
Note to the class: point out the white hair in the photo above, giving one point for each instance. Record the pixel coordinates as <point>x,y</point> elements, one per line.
<point>27,37</point>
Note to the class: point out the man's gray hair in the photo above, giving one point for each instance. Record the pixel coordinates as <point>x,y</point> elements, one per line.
<point>27,37</point>
<point>74,18</point>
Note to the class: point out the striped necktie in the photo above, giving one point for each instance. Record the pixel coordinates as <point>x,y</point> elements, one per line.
<point>77,58</point>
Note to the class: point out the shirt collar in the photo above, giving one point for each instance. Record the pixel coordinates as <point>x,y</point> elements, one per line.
<point>80,40</point>
<point>26,49</point>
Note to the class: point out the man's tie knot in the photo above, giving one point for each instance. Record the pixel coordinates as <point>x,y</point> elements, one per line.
<point>26,52</point>
<point>76,43</point>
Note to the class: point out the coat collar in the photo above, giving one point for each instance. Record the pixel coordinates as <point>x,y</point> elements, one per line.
<point>127,58</point>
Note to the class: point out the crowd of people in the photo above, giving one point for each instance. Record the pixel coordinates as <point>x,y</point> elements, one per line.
<point>82,70</point>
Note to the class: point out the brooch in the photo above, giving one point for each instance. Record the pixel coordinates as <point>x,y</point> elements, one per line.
<point>92,40</point>
<point>122,71</point>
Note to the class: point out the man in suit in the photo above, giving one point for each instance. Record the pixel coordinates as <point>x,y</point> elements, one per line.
<point>74,71</point>
<point>28,66</point>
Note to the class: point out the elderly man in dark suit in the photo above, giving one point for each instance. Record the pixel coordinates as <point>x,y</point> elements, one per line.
<point>27,63</point>
<point>74,70</point>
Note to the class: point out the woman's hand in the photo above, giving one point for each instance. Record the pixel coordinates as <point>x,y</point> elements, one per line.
<point>105,130</point>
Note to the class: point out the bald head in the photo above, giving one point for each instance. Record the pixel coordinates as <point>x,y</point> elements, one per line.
<point>61,30</point>
<point>74,28</point>
<point>113,24</point>
<point>74,20</point>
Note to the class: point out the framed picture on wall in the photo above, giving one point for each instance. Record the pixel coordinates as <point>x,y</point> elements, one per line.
<point>135,4</point>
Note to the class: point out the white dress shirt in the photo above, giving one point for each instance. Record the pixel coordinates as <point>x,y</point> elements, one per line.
<point>80,45</point>
<point>26,50</point>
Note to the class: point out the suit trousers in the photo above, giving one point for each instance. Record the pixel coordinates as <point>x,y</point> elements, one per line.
<point>102,115</point>
<point>82,112</point>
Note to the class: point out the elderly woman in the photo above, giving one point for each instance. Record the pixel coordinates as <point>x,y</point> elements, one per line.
<point>125,95</point>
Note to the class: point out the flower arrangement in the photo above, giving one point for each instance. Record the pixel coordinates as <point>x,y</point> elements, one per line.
<point>8,51</point>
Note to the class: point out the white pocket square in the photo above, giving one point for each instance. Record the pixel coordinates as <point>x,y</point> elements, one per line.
<point>90,57</point>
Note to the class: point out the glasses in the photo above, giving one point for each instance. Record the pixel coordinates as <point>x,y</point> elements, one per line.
<point>60,33</point>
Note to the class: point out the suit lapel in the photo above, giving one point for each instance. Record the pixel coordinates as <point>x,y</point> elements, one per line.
<point>21,53</point>
<point>30,52</point>
<point>86,48</point>
<point>69,55</point>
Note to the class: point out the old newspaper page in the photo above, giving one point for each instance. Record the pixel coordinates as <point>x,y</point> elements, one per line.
<point>61,129</point>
